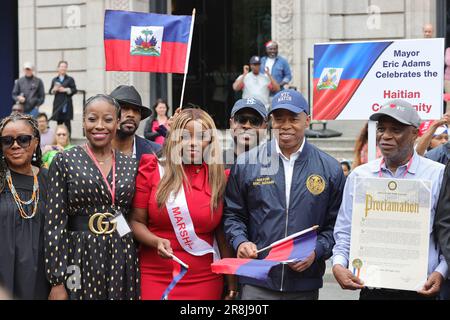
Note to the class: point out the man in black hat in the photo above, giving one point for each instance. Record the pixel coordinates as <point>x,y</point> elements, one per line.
<point>131,113</point>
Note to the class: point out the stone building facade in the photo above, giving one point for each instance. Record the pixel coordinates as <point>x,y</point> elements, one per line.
<point>53,30</point>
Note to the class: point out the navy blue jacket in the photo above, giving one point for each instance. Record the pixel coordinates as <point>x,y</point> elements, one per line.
<point>440,154</point>
<point>255,209</point>
<point>144,146</point>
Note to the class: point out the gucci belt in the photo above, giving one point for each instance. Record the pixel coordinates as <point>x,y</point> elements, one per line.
<point>100,224</point>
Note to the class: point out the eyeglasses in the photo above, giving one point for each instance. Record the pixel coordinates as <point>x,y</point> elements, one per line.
<point>23,141</point>
<point>243,119</point>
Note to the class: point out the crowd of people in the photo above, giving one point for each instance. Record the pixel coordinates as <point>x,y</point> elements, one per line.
<point>105,219</point>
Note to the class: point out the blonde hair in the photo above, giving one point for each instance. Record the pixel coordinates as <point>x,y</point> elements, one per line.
<point>62,126</point>
<point>174,174</point>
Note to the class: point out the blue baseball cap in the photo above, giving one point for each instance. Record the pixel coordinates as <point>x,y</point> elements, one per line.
<point>250,103</point>
<point>291,100</point>
<point>255,60</point>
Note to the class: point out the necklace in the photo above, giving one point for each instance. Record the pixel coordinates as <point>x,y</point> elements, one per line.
<point>101,162</point>
<point>104,160</point>
<point>19,202</point>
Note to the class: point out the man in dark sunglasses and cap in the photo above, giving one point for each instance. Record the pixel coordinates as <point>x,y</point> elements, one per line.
<point>248,127</point>
<point>131,113</point>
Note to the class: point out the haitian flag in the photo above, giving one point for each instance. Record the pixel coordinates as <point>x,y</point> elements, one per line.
<point>296,247</point>
<point>339,70</point>
<point>146,42</point>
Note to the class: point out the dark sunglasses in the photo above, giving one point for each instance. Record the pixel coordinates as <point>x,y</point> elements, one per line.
<point>243,119</point>
<point>23,141</point>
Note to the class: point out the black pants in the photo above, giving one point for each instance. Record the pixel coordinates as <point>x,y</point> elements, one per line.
<point>387,294</point>
<point>445,290</point>
<point>67,124</point>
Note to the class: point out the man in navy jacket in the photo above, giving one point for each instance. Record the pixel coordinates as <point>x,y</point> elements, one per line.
<point>282,187</point>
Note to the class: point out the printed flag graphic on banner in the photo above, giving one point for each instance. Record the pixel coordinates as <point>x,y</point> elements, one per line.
<point>146,42</point>
<point>294,248</point>
<point>339,70</point>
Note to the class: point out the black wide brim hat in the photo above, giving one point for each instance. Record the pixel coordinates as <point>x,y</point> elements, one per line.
<point>129,95</point>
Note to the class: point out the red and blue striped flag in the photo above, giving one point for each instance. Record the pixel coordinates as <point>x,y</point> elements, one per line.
<point>296,247</point>
<point>146,42</point>
<point>178,272</point>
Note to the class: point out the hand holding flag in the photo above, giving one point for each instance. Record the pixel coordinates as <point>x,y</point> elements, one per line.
<point>179,270</point>
<point>297,247</point>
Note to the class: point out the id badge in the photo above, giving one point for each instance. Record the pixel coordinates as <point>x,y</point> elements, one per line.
<point>122,226</point>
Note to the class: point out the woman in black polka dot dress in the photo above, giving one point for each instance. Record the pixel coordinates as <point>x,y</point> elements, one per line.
<point>86,257</point>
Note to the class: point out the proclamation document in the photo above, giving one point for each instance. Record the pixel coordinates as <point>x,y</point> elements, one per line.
<point>391,232</point>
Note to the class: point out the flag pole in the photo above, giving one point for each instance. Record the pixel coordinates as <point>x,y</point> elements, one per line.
<point>179,261</point>
<point>295,235</point>
<point>186,68</point>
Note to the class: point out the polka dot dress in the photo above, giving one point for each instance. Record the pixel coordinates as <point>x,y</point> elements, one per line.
<point>91,266</point>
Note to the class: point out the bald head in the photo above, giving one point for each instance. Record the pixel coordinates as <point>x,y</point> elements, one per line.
<point>428,31</point>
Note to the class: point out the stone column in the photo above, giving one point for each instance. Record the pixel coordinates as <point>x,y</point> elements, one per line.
<point>27,32</point>
<point>140,80</point>
<point>314,28</point>
<point>283,32</point>
<point>296,26</point>
<point>418,13</point>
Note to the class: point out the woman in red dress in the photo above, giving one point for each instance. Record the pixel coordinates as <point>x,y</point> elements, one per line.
<point>192,167</point>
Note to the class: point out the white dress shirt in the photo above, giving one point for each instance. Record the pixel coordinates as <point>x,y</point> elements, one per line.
<point>420,169</point>
<point>288,165</point>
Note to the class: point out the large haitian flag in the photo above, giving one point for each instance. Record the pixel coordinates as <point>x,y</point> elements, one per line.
<point>146,42</point>
<point>339,70</point>
<point>291,250</point>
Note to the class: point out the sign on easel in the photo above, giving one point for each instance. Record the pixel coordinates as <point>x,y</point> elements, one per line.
<point>354,80</point>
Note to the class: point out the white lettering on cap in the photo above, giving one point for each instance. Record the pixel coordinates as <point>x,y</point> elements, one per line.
<point>394,106</point>
<point>285,96</point>
<point>251,101</point>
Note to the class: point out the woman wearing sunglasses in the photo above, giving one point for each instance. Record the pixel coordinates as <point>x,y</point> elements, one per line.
<point>23,190</point>
<point>61,143</point>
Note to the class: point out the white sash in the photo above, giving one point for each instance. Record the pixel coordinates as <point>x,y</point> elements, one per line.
<point>183,227</point>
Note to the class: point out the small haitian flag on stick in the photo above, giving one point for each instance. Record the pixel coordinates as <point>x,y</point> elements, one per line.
<point>179,270</point>
<point>147,42</point>
<point>296,247</point>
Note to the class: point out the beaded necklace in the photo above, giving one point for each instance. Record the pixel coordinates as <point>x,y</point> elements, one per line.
<point>19,202</point>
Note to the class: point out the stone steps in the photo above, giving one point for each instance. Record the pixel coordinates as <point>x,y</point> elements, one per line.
<point>339,148</point>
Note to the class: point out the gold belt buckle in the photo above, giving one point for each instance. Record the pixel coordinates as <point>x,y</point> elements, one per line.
<point>99,224</point>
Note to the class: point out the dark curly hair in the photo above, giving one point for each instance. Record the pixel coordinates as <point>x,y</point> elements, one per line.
<point>36,161</point>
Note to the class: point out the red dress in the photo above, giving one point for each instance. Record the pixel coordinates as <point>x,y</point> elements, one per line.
<point>199,283</point>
